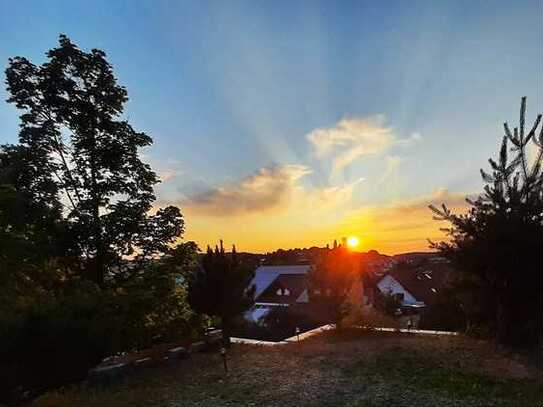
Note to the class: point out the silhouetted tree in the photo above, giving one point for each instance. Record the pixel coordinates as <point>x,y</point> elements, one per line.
<point>84,155</point>
<point>330,283</point>
<point>496,245</point>
<point>32,229</point>
<point>221,287</point>
<point>85,270</point>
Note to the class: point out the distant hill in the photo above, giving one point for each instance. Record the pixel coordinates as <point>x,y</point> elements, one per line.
<point>298,256</point>
<point>415,255</point>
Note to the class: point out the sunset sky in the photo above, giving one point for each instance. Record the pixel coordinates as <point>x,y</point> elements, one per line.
<point>288,124</point>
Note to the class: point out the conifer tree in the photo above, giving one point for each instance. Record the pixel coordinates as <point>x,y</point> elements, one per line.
<point>496,245</point>
<point>221,288</point>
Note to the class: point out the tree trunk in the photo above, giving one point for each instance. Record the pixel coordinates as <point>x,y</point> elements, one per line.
<point>99,259</point>
<point>506,323</point>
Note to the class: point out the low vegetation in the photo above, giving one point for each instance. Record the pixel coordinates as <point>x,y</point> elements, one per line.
<point>345,367</point>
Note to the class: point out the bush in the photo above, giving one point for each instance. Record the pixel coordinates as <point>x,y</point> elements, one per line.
<point>370,317</point>
<point>279,323</point>
<point>445,315</point>
<point>49,338</point>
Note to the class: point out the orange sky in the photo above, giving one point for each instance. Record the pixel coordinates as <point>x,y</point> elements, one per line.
<point>305,219</point>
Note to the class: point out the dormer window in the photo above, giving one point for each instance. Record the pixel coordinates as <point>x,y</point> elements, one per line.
<point>286,291</point>
<point>279,291</point>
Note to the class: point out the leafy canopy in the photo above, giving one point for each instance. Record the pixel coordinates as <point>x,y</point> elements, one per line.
<point>82,160</point>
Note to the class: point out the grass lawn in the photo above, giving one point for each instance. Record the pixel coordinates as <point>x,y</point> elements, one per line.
<point>346,367</point>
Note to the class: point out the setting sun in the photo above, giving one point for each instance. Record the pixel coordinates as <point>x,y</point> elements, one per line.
<point>353,241</point>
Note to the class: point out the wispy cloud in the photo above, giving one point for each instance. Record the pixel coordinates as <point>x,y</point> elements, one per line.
<point>350,139</point>
<point>264,190</point>
<point>267,210</point>
<point>276,188</point>
<point>167,175</point>
<point>321,200</point>
<point>393,162</point>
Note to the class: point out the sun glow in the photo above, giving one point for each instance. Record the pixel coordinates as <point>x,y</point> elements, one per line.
<point>353,241</point>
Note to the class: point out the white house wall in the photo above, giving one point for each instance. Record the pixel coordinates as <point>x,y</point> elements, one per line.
<point>389,285</point>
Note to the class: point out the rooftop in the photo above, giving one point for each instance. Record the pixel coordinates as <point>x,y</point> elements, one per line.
<point>265,275</point>
<point>285,289</point>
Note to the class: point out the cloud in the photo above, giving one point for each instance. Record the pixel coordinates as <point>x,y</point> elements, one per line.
<point>311,201</point>
<point>270,209</point>
<point>167,175</point>
<point>393,162</point>
<point>403,213</point>
<point>407,142</point>
<point>264,190</point>
<point>350,139</point>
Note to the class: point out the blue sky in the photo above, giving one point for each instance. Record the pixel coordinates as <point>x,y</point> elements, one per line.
<point>231,92</point>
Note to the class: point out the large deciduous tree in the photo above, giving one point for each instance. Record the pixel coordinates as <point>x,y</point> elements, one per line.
<point>85,158</point>
<point>222,288</point>
<point>86,269</point>
<point>496,245</point>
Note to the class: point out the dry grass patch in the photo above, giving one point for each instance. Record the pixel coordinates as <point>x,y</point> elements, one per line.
<point>347,367</point>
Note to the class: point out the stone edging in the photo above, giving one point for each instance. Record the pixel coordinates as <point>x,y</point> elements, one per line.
<point>286,341</point>
<point>407,331</point>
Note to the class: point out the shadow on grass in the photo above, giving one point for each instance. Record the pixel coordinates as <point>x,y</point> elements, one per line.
<point>420,372</point>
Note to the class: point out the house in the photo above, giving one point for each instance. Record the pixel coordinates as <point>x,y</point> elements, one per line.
<point>416,285</point>
<point>278,286</point>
